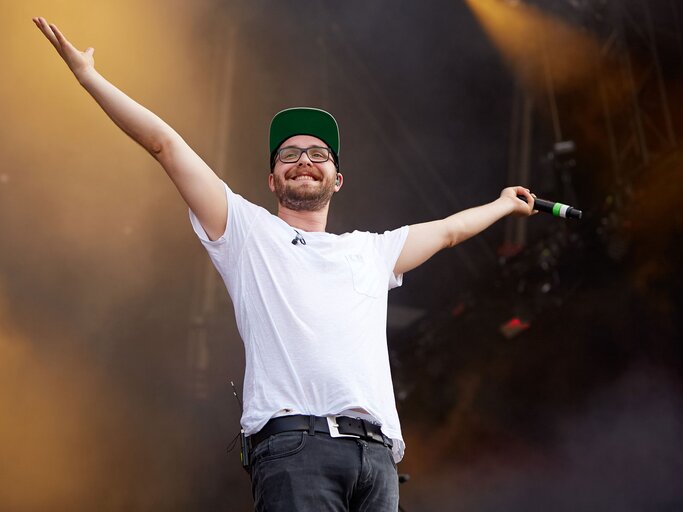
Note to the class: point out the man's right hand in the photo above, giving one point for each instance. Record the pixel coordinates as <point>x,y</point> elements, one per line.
<point>79,62</point>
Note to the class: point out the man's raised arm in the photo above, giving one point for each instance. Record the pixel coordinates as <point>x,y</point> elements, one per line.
<point>198,185</point>
<point>426,239</point>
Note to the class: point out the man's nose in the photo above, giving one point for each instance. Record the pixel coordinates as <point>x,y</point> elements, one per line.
<point>301,159</point>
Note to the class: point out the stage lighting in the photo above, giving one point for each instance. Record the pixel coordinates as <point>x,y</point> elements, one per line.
<point>513,327</point>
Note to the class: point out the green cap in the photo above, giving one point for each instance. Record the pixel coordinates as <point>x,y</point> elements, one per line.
<point>304,121</point>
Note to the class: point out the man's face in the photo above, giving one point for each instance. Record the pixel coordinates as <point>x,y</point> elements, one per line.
<point>304,185</point>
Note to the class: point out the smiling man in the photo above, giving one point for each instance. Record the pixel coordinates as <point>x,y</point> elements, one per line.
<point>320,420</point>
<point>311,309</point>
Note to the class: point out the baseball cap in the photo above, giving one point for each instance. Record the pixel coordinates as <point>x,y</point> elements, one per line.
<point>304,121</point>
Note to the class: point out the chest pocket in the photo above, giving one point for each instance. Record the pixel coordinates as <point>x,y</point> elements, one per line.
<point>368,276</point>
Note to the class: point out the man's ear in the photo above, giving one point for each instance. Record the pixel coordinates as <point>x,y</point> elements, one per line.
<point>339,181</point>
<point>271,182</point>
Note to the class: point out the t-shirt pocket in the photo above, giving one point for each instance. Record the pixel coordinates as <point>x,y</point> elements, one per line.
<point>367,275</point>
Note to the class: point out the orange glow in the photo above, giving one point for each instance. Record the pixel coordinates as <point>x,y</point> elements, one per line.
<point>80,205</point>
<point>529,40</point>
<point>549,56</point>
<point>71,440</point>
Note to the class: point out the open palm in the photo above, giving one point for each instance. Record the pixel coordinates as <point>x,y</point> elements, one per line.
<point>78,61</point>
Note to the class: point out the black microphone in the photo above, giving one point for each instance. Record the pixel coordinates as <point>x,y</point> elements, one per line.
<point>298,239</point>
<point>556,209</point>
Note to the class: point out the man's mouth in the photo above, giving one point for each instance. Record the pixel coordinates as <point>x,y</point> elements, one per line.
<point>304,177</point>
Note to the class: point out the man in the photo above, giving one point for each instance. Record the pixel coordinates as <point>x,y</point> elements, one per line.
<point>319,410</point>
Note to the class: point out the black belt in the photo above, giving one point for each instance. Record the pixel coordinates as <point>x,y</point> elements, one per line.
<point>345,426</point>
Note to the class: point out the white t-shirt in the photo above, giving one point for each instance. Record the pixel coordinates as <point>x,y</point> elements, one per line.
<point>312,316</point>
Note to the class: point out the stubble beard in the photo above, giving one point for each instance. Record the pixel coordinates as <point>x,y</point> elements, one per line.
<point>302,198</point>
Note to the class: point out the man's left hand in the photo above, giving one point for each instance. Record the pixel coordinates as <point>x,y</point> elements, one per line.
<point>519,207</point>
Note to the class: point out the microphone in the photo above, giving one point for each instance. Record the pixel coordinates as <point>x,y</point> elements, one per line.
<point>298,239</point>
<point>556,209</point>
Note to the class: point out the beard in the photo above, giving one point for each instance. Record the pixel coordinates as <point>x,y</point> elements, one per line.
<point>303,198</point>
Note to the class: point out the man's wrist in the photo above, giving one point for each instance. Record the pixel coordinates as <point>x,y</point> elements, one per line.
<point>85,76</point>
<point>506,204</point>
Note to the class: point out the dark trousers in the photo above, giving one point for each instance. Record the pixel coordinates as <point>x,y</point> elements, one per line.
<point>295,471</point>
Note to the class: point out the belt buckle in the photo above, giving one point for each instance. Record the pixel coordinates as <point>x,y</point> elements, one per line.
<point>334,428</point>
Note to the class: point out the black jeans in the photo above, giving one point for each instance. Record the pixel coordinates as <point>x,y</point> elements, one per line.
<point>294,471</point>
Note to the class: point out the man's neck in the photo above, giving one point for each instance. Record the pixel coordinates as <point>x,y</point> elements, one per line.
<point>304,220</point>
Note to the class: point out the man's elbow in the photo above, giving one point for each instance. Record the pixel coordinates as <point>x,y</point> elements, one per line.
<point>451,242</point>
<point>154,148</point>
<point>159,145</point>
<point>453,235</point>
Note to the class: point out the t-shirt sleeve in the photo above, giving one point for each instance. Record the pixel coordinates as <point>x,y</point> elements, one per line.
<point>225,249</point>
<point>199,230</point>
<point>389,246</point>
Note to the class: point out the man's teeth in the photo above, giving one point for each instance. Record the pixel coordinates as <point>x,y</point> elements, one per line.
<point>304,177</point>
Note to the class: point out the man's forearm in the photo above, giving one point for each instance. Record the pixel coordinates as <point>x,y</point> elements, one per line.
<point>426,239</point>
<point>470,222</point>
<point>142,125</point>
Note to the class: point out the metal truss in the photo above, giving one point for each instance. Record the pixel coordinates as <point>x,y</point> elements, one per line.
<point>632,83</point>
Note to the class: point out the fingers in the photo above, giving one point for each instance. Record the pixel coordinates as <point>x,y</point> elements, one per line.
<point>74,58</point>
<point>527,193</point>
<point>60,37</point>
<point>45,29</point>
<point>53,34</point>
<point>529,199</point>
<point>47,32</point>
<point>64,44</point>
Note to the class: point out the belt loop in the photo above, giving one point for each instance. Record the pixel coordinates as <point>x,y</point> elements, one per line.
<point>311,425</point>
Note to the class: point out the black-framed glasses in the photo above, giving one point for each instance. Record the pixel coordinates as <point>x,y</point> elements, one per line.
<point>291,154</point>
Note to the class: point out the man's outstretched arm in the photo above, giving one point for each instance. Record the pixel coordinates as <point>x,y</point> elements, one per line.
<point>425,240</point>
<point>198,185</point>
